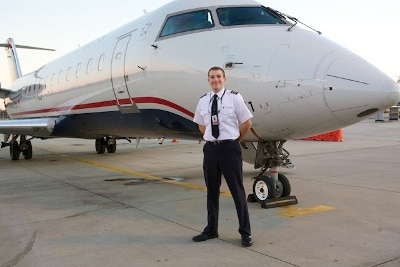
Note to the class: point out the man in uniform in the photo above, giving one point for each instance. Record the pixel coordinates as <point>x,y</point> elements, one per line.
<point>224,120</point>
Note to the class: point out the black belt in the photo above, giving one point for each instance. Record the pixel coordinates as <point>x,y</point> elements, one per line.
<point>219,142</point>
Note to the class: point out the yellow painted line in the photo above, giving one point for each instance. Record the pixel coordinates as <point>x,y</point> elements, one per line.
<point>291,211</point>
<point>137,174</point>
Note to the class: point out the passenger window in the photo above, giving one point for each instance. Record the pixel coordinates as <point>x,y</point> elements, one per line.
<point>231,16</point>
<point>101,60</point>
<point>89,66</point>
<point>196,20</point>
<point>68,74</point>
<point>52,79</point>
<point>78,70</point>
<point>60,76</point>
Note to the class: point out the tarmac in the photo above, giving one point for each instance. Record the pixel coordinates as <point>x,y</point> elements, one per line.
<point>141,206</point>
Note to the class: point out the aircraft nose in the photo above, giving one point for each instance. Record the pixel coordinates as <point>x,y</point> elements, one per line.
<point>355,89</point>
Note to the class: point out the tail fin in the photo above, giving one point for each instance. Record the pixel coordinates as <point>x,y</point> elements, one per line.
<point>11,49</point>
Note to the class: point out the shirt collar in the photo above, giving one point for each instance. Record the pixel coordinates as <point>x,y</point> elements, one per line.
<point>219,94</point>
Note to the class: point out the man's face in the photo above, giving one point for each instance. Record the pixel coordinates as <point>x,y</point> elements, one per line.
<point>216,80</point>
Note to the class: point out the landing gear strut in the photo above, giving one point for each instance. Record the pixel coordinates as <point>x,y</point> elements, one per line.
<point>270,188</point>
<point>104,143</point>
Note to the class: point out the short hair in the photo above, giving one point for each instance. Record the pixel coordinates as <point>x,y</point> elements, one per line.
<point>216,68</point>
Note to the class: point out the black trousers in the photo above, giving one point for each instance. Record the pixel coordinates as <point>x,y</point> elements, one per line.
<point>226,159</point>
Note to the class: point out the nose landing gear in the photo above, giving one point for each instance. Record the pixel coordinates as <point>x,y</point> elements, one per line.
<point>273,189</point>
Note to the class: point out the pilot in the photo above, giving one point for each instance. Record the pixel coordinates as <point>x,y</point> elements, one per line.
<point>224,120</point>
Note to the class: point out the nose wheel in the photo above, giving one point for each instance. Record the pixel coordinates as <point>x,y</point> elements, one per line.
<point>270,193</point>
<point>264,187</point>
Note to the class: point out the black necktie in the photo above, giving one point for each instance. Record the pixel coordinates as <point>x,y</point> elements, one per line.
<point>214,117</point>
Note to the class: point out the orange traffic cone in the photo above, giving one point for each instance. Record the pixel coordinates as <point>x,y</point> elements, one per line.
<point>334,136</point>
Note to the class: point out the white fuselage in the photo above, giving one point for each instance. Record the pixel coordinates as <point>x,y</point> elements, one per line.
<point>131,82</point>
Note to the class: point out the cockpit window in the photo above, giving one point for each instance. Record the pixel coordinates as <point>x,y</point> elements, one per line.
<point>230,16</point>
<point>195,20</point>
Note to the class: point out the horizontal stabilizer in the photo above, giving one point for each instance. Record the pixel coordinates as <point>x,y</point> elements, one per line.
<point>33,47</point>
<point>33,127</point>
<point>27,47</point>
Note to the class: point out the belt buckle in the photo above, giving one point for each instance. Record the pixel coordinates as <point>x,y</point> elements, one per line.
<point>219,142</point>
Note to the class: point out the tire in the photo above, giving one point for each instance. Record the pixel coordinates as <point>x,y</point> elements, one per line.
<point>285,184</point>
<point>28,152</point>
<point>100,146</point>
<point>263,188</point>
<point>14,150</point>
<point>111,145</point>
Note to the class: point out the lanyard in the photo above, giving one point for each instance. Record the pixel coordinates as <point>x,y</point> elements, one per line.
<point>211,99</point>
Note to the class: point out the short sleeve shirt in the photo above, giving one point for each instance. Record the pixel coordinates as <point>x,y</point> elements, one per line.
<point>231,111</point>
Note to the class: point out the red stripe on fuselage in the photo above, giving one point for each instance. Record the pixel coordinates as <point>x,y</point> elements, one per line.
<point>109,103</point>
<point>156,100</point>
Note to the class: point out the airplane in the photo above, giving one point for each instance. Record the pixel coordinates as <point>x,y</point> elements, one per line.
<point>144,79</point>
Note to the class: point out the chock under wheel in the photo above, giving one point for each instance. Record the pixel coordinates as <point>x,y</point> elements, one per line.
<point>274,202</point>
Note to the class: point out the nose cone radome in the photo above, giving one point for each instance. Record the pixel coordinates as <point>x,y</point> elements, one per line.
<point>355,89</point>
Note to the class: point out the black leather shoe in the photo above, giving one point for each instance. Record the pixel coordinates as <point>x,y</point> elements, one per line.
<point>247,241</point>
<point>204,236</point>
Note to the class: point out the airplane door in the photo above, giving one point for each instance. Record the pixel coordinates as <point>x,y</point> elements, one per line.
<point>119,77</point>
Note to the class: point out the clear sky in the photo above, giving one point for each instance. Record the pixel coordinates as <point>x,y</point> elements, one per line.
<point>367,27</point>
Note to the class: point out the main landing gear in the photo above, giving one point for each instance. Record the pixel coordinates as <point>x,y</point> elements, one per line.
<point>270,188</point>
<point>24,147</point>
<point>104,143</point>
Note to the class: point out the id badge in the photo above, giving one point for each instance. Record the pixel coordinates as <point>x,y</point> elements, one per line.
<point>214,119</point>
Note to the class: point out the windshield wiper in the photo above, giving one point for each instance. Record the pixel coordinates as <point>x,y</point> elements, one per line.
<point>286,16</point>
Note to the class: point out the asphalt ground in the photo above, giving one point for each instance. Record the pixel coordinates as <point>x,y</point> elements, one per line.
<point>141,206</point>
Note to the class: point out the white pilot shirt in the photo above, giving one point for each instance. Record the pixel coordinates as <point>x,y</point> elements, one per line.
<point>231,111</point>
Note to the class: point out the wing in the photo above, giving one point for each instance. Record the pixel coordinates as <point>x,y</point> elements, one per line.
<point>42,127</point>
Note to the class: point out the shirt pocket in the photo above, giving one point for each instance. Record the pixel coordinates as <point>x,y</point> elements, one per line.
<point>227,113</point>
<point>227,110</point>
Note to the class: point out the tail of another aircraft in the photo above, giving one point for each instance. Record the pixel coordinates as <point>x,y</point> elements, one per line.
<point>11,49</point>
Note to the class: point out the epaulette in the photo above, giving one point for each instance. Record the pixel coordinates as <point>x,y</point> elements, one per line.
<point>234,92</point>
<point>203,95</point>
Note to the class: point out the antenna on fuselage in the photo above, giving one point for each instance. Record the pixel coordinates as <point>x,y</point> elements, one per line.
<point>11,49</point>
